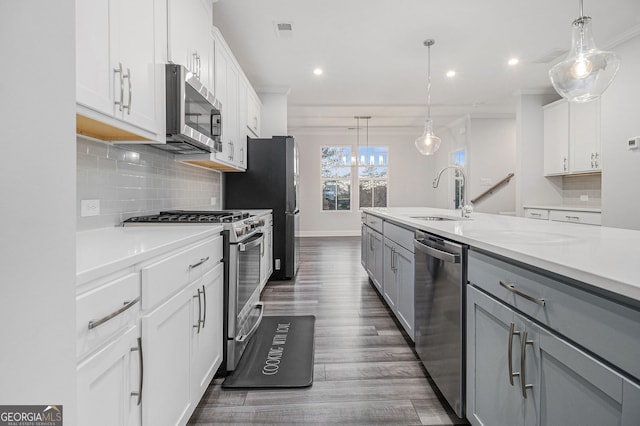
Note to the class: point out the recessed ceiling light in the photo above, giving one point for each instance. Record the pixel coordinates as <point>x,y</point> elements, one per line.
<point>513,61</point>
<point>317,71</point>
<point>451,73</point>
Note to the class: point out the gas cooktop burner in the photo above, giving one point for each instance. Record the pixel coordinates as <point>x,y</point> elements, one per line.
<point>189,216</point>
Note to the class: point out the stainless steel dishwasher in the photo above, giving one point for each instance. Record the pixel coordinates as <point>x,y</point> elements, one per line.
<point>440,277</point>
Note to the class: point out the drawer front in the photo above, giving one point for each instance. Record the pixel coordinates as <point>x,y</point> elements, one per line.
<point>374,222</point>
<point>399,235</point>
<point>608,329</point>
<point>166,276</point>
<point>589,218</point>
<point>103,302</point>
<point>536,214</point>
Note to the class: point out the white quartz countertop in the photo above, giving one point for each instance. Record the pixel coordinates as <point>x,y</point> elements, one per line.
<point>103,251</point>
<point>564,208</point>
<point>600,256</point>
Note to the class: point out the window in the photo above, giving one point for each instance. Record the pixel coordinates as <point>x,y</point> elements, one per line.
<point>340,168</point>
<point>373,172</point>
<point>336,178</point>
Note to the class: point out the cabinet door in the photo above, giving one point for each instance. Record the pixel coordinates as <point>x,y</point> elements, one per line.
<point>189,36</point>
<point>405,275</point>
<point>376,267</point>
<point>390,280</point>
<point>364,247</point>
<point>556,138</point>
<point>493,396</point>
<point>138,27</point>
<point>94,71</point>
<point>166,333</point>
<point>253,114</point>
<point>584,124</point>
<point>231,113</point>
<point>106,381</point>
<point>577,389</point>
<point>207,339</point>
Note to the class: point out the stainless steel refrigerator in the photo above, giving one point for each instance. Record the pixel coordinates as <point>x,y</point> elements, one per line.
<point>271,182</point>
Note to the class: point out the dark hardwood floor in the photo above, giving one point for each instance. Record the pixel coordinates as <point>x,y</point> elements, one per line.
<point>365,372</point>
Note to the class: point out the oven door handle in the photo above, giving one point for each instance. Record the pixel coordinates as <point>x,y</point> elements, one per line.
<point>439,254</point>
<point>256,239</point>
<point>243,337</point>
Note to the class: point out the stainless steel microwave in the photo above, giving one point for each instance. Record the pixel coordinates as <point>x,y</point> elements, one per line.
<point>194,119</point>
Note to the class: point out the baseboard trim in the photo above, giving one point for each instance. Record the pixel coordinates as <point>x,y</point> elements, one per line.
<point>329,233</point>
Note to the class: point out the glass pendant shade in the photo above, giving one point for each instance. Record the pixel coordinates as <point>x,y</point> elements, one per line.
<point>586,72</point>
<point>428,143</point>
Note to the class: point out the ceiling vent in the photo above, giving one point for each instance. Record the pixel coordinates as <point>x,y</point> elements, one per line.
<point>550,56</point>
<point>284,29</point>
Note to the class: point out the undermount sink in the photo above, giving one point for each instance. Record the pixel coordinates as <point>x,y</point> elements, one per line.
<point>435,218</point>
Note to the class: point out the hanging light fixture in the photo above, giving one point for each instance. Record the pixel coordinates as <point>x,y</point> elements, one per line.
<point>428,143</point>
<point>586,72</point>
<point>363,160</point>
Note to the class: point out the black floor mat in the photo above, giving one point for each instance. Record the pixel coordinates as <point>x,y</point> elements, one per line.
<point>279,355</point>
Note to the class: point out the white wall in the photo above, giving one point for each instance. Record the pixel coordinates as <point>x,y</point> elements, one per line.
<point>493,156</point>
<point>531,185</point>
<point>410,176</point>
<point>621,121</point>
<point>490,145</point>
<point>37,187</point>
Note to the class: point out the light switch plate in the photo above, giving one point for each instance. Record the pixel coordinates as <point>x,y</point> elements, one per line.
<point>584,198</point>
<point>89,208</point>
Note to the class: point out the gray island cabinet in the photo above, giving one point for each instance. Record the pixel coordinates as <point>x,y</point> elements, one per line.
<point>552,332</point>
<point>541,351</point>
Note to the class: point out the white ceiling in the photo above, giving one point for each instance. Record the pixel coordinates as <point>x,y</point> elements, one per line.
<point>375,63</point>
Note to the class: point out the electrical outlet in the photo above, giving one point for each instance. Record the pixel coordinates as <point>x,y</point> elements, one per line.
<point>213,201</point>
<point>89,208</point>
<point>584,198</point>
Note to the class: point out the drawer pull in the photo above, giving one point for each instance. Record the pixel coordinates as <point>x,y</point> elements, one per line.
<point>513,290</point>
<point>577,218</point>
<point>195,265</point>
<point>94,323</point>
<point>535,214</point>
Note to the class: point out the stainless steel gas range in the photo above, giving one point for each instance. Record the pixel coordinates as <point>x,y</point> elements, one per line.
<point>242,249</point>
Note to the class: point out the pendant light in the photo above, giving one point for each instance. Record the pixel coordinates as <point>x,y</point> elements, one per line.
<point>586,72</point>
<point>363,160</point>
<point>428,143</point>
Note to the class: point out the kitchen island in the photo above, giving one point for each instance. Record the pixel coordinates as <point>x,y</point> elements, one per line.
<point>550,312</point>
<point>599,257</point>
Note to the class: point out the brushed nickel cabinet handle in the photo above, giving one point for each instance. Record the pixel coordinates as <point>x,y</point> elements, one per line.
<point>523,365</point>
<point>128,77</point>
<point>513,290</point>
<point>139,350</point>
<point>199,322</point>
<point>577,218</point>
<point>120,103</point>
<point>510,351</point>
<point>195,265</point>
<point>204,303</point>
<point>94,323</point>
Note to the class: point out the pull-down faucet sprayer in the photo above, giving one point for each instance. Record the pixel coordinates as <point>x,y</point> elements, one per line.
<point>465,208</point>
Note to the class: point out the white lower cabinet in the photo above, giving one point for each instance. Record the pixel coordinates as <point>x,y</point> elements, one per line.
<point>109,383</point>
<point>519,373</point>
<point>183,350</point>
<point>266,255</point>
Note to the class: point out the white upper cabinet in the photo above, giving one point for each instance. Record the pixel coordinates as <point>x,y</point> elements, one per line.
<point>120,69</point>
<point>253,114</point>
<point>189,23</point>
<point>556,138</point>
<point>584,137</point>
<point>572,138</point>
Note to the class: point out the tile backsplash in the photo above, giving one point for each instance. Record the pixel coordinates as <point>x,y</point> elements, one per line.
<point>133,180</point>
<point>580,185</point>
